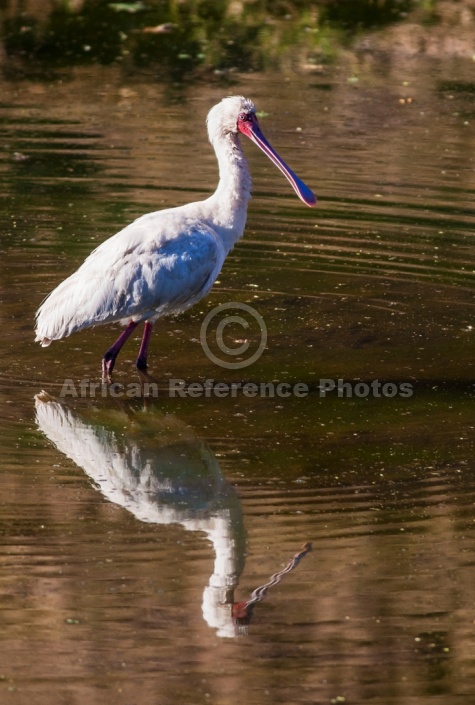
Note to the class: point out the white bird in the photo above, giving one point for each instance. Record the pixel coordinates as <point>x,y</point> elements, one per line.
<point>166,261</point>
<point>162,473</point>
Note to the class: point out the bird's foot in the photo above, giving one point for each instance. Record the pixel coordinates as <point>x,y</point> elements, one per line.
<point>108,362</point>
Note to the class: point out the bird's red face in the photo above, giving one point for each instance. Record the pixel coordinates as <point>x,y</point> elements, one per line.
<point>248,125</point>
<point>245,123</point>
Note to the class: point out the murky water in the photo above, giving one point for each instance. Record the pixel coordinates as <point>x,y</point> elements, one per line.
<point>136,533</point>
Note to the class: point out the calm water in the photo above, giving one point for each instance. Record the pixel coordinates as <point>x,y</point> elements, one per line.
<point>134,532</point>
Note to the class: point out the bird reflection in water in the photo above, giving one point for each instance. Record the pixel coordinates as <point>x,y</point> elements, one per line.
<point>163,474</point>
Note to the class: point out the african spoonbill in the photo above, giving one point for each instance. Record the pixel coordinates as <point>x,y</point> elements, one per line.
<point>166,261</point>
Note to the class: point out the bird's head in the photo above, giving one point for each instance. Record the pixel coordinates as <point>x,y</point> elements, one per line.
<point>227,116</point>
<point>237,114</point>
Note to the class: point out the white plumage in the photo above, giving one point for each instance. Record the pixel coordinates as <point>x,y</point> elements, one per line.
<point>161,473</point>
<point>140,273</point>
<point>164,262</point>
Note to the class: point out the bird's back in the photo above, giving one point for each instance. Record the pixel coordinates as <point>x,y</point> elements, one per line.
<point>161,263</point>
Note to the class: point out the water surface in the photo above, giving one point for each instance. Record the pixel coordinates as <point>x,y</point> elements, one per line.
<point>130,528</point>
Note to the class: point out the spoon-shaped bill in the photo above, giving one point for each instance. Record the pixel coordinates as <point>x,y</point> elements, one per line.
<point>301,189</point>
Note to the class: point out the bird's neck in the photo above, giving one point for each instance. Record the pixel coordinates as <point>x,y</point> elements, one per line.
<point>229,201</point>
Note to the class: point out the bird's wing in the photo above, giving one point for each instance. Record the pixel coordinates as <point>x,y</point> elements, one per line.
<point>138,273</point>
<point>171,278</point>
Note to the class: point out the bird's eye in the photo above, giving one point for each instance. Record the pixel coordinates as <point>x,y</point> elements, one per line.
<point>243,116</point>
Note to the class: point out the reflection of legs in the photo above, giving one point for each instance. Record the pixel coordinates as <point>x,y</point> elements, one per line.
<point>141,362</point>
<point>108,361</point>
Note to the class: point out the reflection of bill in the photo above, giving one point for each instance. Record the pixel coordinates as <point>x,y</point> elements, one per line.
<point>242,611</point>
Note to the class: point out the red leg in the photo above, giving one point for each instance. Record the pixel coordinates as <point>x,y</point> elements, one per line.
<point>141,362</point>
<point>108,361</point>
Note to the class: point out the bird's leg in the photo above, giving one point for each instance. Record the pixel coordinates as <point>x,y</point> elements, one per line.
<point>108,361</point>
<point>141,362</point>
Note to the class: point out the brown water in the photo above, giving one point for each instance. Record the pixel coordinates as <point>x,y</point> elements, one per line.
<point>129,527</point>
